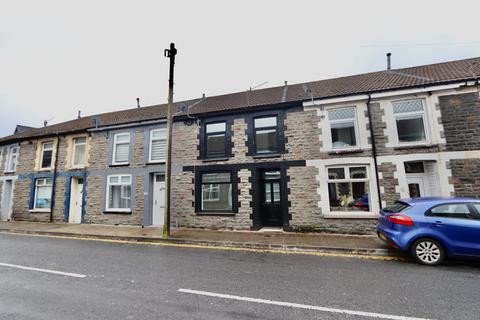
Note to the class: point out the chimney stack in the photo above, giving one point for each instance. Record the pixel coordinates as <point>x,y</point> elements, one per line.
<point>389,61</point>
<point>79,114</point>
<point>138,102</point>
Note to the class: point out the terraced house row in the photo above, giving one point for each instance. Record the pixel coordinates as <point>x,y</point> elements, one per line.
<point>324,155</point>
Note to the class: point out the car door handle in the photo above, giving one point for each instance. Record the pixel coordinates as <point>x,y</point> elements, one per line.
<point>438,223</point>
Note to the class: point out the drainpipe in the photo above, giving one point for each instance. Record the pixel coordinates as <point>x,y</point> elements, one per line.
<point>54,178</point>
<point>374,149</point>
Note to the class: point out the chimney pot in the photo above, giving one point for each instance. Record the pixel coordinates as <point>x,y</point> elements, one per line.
<point>138,102</point>
<point>389,61</point>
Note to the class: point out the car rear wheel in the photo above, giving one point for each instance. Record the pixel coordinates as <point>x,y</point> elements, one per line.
<point>428,252</point>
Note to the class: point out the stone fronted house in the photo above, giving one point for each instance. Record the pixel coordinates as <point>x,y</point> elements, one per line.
<point>323,156</point>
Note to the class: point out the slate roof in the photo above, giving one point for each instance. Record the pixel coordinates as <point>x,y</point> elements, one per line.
<point>419,76</point>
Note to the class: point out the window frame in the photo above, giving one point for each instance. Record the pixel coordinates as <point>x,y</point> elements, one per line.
<point>355,127</point>
<point>74,151</point>
<point>8,158</point>
<point>206,135</point>
<point>36,194</point>
<point>199,193</point>
<point>150,160</point>
<point>114,149</point>
<point>276,128</point>
<point>368,180</point>
<point>408,116</point>
<point>107,196</point>
<point>42,155</point>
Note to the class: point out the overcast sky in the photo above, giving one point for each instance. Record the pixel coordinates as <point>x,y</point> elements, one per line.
<point>57,57</point>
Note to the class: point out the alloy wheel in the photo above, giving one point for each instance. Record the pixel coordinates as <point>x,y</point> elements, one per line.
<point>428,252</point>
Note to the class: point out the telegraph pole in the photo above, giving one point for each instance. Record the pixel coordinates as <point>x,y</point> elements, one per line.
<point>169,53</point>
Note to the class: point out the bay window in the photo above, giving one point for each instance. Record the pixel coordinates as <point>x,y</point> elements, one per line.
<point>348,188</point>
<point>158,145</point>
<point>119,193</point>
<point>343,127</point>
<point>410,121</point>
<point>43,193</point>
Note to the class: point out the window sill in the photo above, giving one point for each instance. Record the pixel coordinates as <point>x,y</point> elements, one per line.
<point>40,211</point>
<point>266,155</point>
<point>155,162</point>
<point>119,165</point>
<point>45,169</point>
<point>345,151</point>
<point>351,215</point>
<point>116,212</point>
<point>215,159</point>
<point>415,146</point>
<point>8,172</point>
<point>214,213</point>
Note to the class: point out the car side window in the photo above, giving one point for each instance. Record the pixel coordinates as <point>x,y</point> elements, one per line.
<point>452,210</point>
<point>476,206</point>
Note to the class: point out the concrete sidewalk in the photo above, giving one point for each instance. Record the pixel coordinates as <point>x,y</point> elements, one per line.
<point>287,241</point>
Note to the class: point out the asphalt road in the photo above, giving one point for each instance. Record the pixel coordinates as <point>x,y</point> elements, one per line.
<point>128,281</point>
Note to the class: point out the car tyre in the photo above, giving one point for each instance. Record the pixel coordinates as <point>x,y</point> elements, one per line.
<point>428,251</point>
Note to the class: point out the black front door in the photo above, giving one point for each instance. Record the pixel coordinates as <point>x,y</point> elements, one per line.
<point>270,195</point>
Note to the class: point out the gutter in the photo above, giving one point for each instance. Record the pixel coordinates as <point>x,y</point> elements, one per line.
<point>54,182</point>
<point>128,125</point>
<point>374,149</point>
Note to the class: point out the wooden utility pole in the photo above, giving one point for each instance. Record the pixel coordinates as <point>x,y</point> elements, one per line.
<point>169,53</point>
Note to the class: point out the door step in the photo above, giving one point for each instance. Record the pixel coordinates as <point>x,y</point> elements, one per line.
<point>271,229</point>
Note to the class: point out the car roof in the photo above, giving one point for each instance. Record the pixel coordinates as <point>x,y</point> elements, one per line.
<point>435,200</point>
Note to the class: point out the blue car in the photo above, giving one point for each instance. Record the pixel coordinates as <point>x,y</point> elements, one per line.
<point>432,229</point>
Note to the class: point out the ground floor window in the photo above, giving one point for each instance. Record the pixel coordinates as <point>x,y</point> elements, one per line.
<point>119,193</point>
<point>43,193</point>
<point>216,191</point>
<point>348,188</point>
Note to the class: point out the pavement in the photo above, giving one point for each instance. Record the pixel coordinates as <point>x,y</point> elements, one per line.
<point>272,240</point>
<point>58,278</point>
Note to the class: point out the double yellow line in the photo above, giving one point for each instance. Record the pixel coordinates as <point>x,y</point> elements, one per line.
<point>222,248</point>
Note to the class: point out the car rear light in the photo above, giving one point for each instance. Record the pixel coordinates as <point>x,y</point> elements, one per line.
<point>401,219</point>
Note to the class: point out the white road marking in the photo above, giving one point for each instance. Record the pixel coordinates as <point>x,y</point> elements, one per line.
<point>75,275</point>
<point>299,306</point>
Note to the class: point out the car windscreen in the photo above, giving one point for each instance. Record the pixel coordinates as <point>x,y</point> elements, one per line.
<point>397,207</point>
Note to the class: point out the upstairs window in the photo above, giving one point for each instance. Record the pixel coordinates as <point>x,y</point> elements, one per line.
<point>12,158</point>
<point>215,136</point>
<point>266,133</point>
<point>121,148</point>
<point>343,127</point>
<point>79,152</point>
<point>43,193</point>
<point>119,193</point>
<point>46,156</point>
<point>158,145</point>
<point>216,191</point>
<point>410,121</point>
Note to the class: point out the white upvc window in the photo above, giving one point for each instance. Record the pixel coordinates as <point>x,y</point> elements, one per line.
<point>158,145</point>
<point>349,188</point>
<point>46,156</point>
<point>43,194</point>
<point>343,128</point>
<point>79,154</point>
<point>119,193</point>
<point>11,159</point>
<point>2,153</point>
<point>121,148</point>
<point>410,121</point>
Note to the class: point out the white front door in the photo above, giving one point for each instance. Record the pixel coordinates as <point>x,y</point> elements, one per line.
<point>416,187</point>
<point>76,198</point>
<point>6,205</point>
<point>158,205</point>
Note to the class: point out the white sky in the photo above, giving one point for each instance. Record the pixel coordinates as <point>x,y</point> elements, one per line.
<point>57,57</point>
